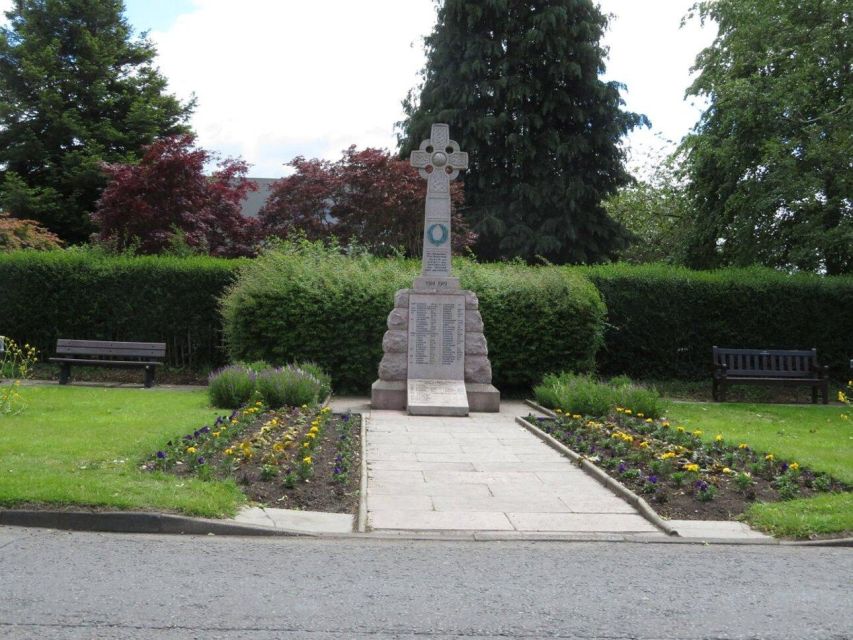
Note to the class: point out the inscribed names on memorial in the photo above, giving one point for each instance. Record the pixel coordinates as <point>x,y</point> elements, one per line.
<point>437,336</point>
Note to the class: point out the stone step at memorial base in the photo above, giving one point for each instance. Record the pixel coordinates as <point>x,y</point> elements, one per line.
<point>391,395</point>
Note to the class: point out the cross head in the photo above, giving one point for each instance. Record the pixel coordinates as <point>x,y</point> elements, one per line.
<point>439,160</point>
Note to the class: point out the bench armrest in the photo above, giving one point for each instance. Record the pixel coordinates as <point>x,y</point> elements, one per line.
<point>822,370</point>
<point>719,370</point>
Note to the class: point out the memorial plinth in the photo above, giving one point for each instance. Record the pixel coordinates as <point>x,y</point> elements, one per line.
<point>435,358</point>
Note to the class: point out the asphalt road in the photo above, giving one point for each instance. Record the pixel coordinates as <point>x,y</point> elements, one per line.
<point>88,585</point>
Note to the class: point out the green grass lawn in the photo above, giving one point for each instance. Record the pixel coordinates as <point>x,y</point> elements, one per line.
<point>84,445</point>
<point>816,436</point>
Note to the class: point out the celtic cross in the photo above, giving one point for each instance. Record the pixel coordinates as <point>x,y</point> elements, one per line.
<point>438,161</point>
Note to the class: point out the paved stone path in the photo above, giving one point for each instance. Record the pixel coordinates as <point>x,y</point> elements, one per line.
<point>482,473</point>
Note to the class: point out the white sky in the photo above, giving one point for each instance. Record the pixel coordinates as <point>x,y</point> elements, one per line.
<point>280,78</point>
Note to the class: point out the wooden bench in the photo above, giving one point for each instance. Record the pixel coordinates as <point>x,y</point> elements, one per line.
<point>768,366</point>
<point>101,353</point>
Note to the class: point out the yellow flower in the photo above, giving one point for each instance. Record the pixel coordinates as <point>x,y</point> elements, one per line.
<point>558,411</point>
<point>641,415</point>
<point>627,412</point>
<point>304,407</point>
<point>644,445</point>
<point>842,397</point>
<point>278,447</point>
<point>649,420</point>
<point>743,445</point>
<point>727,471</point>
<point>680,429</point>
<point>667,455</point>
<point>620,410</point>
<point>314,430</point>
<point>305,445</point>
<point>307,459</point>
<point>770,457</point>
<point>665,423</point>
<point>718,437</point>
<point>310,435</point>
<point>325,410</point>
<point>576,416</point>
<point>692,467</point>
<point>229,451</point>
<point>215,434</point>
<point>794,466</point>
<point>191,449</point>
<point>697,433</point>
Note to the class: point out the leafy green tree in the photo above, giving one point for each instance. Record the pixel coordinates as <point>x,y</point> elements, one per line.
<point>76,89</point>
<point>655,208</point>
<point>769,161</point>
<point>518,83</point>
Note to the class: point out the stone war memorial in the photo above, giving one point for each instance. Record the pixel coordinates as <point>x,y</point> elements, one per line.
<point>435,359</point>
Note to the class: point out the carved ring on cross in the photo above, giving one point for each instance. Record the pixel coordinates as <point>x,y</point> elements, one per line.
<point>439,153</point>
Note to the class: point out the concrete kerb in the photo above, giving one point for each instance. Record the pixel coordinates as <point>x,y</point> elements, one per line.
<point>134,522</point>
<point>361,525</point>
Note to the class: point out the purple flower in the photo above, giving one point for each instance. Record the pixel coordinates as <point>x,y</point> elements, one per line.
<point>652,479</point>
<point>622,467</point>
<point>161,455</point>
<point>338,471</point>
<point>188,437</point>
<point>783,467</point>
<point>204,429</point>
<point>345,417</point>
<point>201,459</point>
<point>701,485</point>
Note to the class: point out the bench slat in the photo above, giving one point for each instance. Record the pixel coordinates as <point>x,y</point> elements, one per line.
<point>117,363</point>
<point>106,348</point>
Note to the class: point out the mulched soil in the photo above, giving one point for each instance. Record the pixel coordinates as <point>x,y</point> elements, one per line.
<point>320,492</point>
<point>680,503</point>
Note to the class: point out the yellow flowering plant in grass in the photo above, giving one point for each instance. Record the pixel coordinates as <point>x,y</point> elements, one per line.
<point>16,364</point>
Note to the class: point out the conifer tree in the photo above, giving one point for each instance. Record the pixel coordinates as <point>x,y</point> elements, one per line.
<point>76,89</point>
<point>518,83</point>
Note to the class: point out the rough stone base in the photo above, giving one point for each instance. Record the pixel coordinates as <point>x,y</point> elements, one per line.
<point>391,396</point>
<point>483,398</point>
<point>388,394</point>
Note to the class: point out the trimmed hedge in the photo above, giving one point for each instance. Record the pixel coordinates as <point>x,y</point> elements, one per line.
<point>312,304</point>
<point>85,294</point>
<point>663,320</point>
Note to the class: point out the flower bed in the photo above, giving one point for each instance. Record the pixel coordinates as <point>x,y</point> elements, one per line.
<point>290,458</point>
<point>677,473</point>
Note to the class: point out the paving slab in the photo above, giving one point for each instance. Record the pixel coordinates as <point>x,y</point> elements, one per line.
<point>717,529</point>
<point>482,474</point>
<point>294,520</point>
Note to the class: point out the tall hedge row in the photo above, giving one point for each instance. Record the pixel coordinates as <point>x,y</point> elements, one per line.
<point>662,321</point>
<point>331,309</point>
<point>89,295</point>
<point>312,304</point>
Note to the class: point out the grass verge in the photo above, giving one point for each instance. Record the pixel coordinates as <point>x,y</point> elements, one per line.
<point>85,446</point>
<point>814,435</point>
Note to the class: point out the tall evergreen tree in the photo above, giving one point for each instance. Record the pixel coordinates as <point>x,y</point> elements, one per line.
<point>769,162</point>
<point>76,89</point>
<point>518,83</point>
